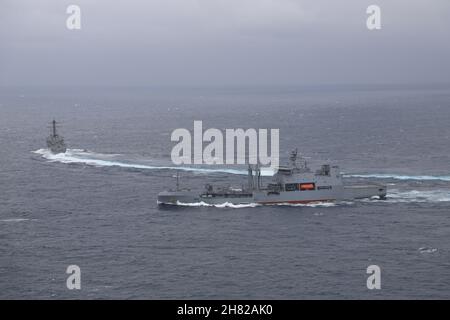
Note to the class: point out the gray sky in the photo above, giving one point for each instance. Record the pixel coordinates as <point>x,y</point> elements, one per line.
<point>223,42</point>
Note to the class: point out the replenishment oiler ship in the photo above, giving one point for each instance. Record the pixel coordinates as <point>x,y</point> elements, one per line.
<point>292,184</point>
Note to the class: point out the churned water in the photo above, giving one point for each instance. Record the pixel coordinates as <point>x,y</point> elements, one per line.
<point>95,206</point>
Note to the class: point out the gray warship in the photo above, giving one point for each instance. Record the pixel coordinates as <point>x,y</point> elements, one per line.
<point>55,142</point>
<point>295,183</point>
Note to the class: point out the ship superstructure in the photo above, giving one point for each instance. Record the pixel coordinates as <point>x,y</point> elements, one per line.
<point>55,142</point>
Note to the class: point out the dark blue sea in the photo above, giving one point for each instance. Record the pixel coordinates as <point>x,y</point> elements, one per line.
<point>96,205</point>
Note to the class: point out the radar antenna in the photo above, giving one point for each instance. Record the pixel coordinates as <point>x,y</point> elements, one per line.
<point>53,126</point>
<point>293,157</point>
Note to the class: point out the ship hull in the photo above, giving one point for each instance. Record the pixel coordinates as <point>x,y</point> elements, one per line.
<point>58,149</point>
<point>338,193</point>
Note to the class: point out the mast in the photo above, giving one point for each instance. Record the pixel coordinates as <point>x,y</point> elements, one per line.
<point>256,180</point>
<point>54,128</point>
<point>259,178</point>
<point>293,157</point>
<point>250,178</point>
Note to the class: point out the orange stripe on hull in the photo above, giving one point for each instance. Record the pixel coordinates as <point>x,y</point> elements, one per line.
<point>296,201</point>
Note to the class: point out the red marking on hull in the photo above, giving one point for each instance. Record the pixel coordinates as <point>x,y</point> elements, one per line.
<point>296,201</point>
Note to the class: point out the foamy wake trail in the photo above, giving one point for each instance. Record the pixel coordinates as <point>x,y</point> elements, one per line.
<point>415,196</point>
<point>221,205</point>
<point>110,160</point>
<point>13,220</point>
<point>107,160</point>
<point>325,204</point>
<point>252,205</point>
<point>399,177</point>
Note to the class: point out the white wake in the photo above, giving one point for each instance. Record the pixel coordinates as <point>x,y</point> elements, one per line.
<point>107,160</point>
<point>415,196</point>
<point>110,160</point>
<point>399,177</point>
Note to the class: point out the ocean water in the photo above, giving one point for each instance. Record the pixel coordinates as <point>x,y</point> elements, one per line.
<point>95,206</point>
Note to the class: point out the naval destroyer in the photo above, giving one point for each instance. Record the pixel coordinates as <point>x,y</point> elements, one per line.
<point>55,142</point>
<point>295,183</point>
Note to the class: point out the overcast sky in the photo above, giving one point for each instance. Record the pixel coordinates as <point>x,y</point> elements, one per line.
<point>223,42</point>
